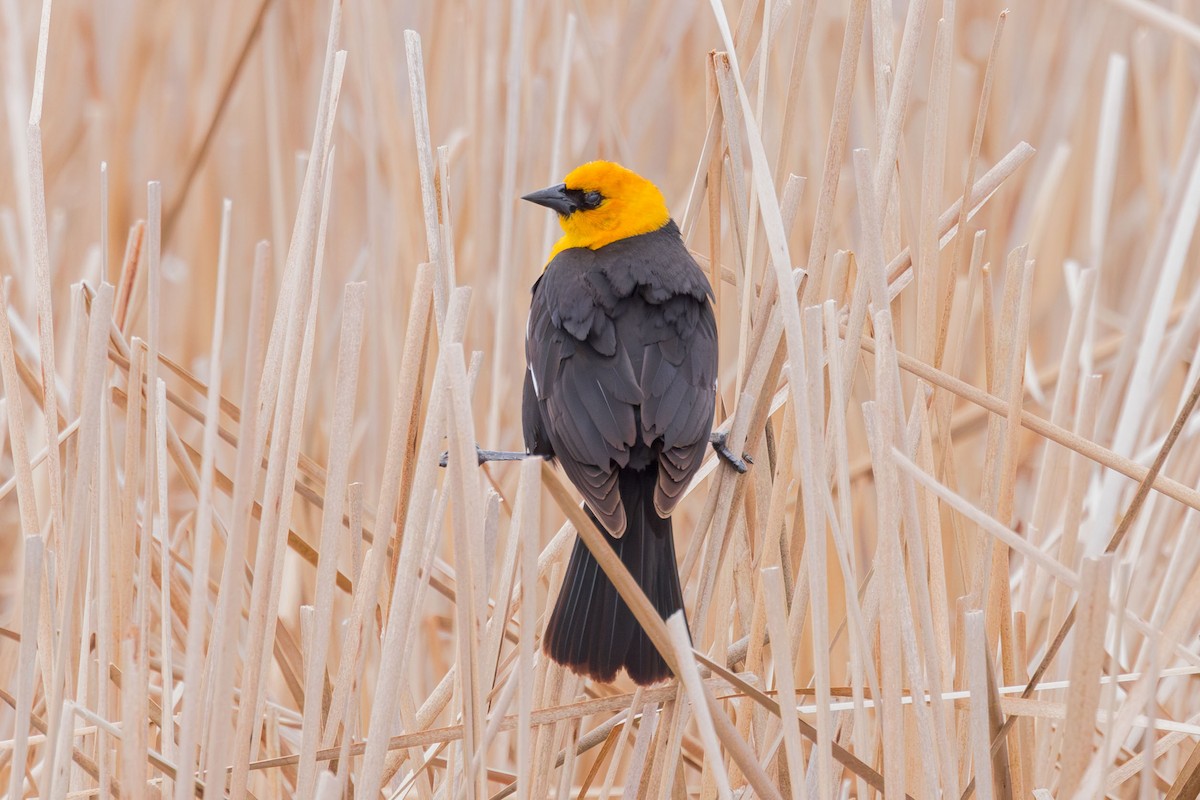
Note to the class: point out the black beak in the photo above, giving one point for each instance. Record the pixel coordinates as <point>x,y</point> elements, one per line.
<point>554,197</point>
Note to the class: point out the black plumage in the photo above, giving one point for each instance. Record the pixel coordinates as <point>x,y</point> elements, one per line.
<point>622,356</point>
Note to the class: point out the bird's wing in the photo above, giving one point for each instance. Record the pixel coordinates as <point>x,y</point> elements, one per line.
<point>678,381</point>
<point>677,343</point>
<point>583,382</point>
<point>622,354</point>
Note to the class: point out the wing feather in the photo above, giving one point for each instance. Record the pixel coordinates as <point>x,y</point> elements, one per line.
<point>622,356</point>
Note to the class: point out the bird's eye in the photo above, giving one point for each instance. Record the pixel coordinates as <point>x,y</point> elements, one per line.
<point>592,199</point>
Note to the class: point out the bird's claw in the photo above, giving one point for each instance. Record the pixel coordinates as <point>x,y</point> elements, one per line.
<point>444,460</point>
<point>484,456</point>
<point>719,446</point>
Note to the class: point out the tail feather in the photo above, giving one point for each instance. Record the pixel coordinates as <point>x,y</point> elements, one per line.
<point>591,629</point>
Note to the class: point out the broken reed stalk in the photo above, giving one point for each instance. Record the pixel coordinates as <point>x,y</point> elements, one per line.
<point>838,573</point>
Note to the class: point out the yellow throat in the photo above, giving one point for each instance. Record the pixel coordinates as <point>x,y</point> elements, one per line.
<point>630,206</point>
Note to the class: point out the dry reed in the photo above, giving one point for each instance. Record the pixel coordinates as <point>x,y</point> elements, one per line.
<point>952,251</point>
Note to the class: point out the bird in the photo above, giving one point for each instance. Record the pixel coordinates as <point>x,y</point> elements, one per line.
<point>620,388</point>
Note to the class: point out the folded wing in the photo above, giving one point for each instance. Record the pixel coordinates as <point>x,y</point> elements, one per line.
<point>622,357</point>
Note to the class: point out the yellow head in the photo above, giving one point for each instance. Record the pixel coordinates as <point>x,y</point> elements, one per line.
<point>601,202</point>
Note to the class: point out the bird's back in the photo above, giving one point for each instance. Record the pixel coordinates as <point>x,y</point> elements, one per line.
<point>622,360</point>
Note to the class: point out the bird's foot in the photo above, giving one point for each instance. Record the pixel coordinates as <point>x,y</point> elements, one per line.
<point>484,456</point>
<point>718,442</point>
<point>500,455</point>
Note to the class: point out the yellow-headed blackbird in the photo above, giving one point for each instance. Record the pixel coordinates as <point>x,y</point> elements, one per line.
<point>622,354</point>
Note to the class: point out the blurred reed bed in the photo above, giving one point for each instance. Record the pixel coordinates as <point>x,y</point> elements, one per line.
<point>264,263</point>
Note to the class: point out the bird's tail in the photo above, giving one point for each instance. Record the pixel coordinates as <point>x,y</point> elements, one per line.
<point>591,629</point>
